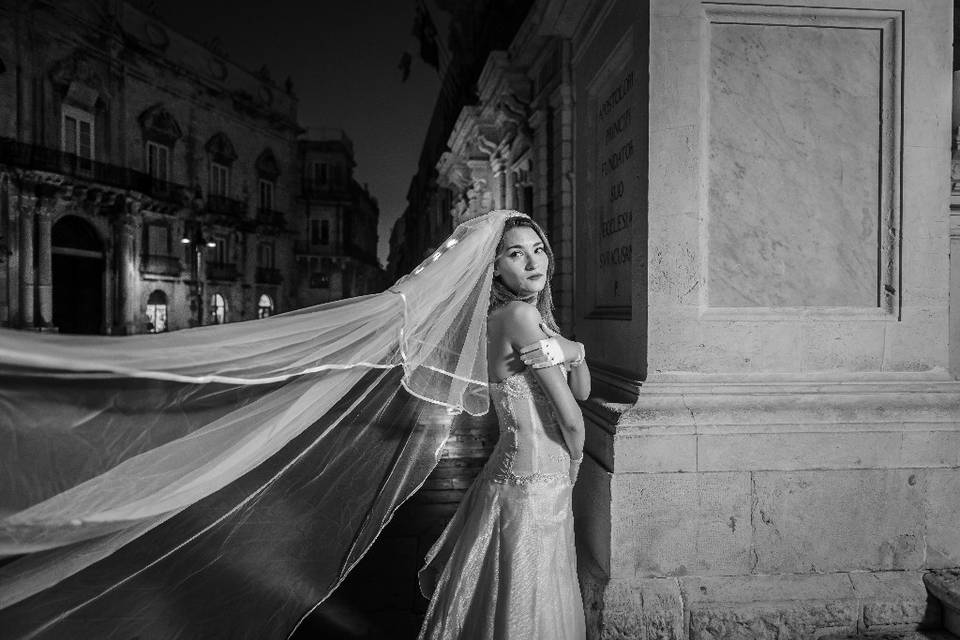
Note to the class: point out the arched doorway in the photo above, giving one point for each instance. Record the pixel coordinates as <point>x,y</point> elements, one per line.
<point>78,265</point>
<point>218,309</point>
<point>157,312</point>
<point>265,306</point>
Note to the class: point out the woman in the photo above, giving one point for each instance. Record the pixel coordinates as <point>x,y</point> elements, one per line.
<point>220,482</point>
<point>505,566</point>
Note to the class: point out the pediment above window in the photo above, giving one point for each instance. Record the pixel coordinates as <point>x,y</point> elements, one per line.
<point>267,166</point>
<point>160,126</point>
<point>221,149</point>
<point>78,81</point>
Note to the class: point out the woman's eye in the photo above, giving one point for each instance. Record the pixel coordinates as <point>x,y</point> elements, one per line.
<point>516,254</point>
<point>541,250</point>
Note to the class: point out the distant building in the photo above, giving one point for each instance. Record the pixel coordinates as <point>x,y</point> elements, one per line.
<point>336,244</point>
<point>147,183</point>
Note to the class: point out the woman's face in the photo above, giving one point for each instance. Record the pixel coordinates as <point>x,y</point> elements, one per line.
<point>523,261</point>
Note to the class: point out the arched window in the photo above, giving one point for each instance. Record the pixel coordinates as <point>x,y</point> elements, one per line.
<point>157,312</point>
<point>218,309</point>
<point>265,307</point>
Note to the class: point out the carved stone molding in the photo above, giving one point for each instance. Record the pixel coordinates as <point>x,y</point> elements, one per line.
<point>267,166</point>
<point>78,80</point>
<point>221,149</point>
<point>159,125</point>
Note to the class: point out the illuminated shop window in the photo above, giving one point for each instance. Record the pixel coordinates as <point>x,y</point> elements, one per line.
<point>265,307</point>
<point>157,312</point>
<point>218,309</point>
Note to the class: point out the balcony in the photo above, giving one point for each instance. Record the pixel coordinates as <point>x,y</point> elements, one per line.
<point>160,265</point>
<point>324,191</point>
<point>270,218</point>
<point>268,275</point>
<point>224,206</point>
<point>222,271</point>
<point>37,158</point>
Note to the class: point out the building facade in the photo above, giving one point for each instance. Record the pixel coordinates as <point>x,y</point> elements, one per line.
<point>336,247</point>
<point>749,204</point>
<point>148,183</point>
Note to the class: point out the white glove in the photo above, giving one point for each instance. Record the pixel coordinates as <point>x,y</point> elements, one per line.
<point>541,354</point>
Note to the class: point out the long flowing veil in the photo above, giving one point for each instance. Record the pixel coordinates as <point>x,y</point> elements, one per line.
<point>221,481</point>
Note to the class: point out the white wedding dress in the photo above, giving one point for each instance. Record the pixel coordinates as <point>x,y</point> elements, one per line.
<point>507,561</point>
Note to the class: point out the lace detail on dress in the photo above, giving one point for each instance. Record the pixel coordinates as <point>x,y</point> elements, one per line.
<point>530,450</point>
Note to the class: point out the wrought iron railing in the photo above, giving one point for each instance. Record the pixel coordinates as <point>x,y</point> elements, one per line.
<point>268,275</point>
<point>222,271</point>
<point>224,206</point>
<point>39,158</point>
<point>161,265</point>
<point>270,218</point>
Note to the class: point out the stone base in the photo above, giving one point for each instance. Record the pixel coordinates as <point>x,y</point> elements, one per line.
<point>782,607</point>
<point>944,586</point>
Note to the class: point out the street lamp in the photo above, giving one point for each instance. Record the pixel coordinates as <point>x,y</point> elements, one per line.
<point>193,235</point>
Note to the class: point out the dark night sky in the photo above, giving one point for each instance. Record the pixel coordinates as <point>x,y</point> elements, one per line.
<point>342,56</point>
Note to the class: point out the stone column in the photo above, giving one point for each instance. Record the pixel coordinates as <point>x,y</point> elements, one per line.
<point>497,171</point>
<point>127,303</point>
<point>510,185</point>
<point>27,206</point>
<point>13,248</point>
<point>44,266</point>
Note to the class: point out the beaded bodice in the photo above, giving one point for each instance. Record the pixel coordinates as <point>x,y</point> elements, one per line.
<point>531,448</point>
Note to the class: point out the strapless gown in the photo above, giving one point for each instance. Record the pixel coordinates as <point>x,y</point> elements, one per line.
<point>507,562</point>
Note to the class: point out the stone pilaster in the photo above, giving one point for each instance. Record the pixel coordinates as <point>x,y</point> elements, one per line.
<point>44,266</point>
<point>27,206</point>
<point>126,228</point>
<point>509,185</point>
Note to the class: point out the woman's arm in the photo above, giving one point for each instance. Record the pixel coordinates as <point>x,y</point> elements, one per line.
<point>573,355</point>
<point>522,328</point>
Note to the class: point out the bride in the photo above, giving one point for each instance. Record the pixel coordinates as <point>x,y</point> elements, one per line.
<point>505,567</point>
<point>221,482</point>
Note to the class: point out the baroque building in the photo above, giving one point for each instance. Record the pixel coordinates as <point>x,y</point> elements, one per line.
<point>749,206</point>
<point>148,183</point>
<point>337,233</point>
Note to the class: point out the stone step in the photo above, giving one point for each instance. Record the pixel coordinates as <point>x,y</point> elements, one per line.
<point>944,586</point>
<point>912,634</point>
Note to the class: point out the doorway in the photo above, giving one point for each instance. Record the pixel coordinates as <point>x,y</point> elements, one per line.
<point>78,270</point>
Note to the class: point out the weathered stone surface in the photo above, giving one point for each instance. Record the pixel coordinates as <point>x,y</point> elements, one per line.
<point>895,598</point>
<point>632,610</point>
<point>774,621</point>
<point>759,607</point>
<point>905,634</point>
<point>945,587</point>
<point>824,521</point>
<point>942,515</point>
<point>678,524</point>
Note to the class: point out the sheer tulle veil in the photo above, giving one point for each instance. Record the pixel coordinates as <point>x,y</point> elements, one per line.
<point>221,481</point>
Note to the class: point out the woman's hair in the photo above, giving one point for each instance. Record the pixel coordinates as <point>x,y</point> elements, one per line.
<point>500,294</point>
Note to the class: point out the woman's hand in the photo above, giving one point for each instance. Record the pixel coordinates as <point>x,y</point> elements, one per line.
<point>575,468</point>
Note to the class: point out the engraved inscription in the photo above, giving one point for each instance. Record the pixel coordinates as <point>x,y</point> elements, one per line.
<point>615,158</point>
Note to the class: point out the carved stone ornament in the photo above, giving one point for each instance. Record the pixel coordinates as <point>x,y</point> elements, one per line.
<point>160,126</point>
<point>77,78</point>
<point>221,149</point>
<point>267,166</point>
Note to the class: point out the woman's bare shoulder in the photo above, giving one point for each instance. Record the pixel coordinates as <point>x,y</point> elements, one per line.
<point>517,314</point>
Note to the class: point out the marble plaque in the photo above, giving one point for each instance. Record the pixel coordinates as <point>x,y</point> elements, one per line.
<point>801,209</point>
<point>614,155</point>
